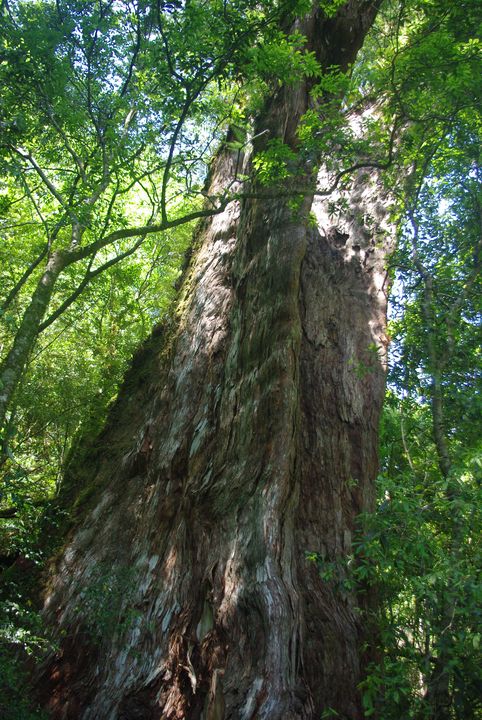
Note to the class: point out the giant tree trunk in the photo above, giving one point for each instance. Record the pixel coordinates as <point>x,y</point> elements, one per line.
<point>244,439</point>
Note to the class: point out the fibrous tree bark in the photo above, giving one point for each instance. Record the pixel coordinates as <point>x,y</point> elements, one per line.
<point>244,439</point>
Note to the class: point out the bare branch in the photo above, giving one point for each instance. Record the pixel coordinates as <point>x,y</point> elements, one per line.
<point>23,279</point>
<point>25,155</point>
<point>170,63</point>
<point>167,170</point>
<point>53,121</point>
<point>88,277</point>
<point>133,59</point>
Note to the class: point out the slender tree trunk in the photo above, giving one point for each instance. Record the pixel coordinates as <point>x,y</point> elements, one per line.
<point>244,439</point>
<point>439,695</point>
<point>12,368</point>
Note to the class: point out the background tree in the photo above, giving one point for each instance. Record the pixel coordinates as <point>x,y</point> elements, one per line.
<point>432,448</point>
<point>421,546</point>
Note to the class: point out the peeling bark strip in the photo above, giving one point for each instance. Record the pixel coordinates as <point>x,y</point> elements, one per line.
<point>246,442</point>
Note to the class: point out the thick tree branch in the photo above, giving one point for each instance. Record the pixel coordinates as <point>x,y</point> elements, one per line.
<point>88,277</point>
<point>23,279</point>
<point>25,155</point>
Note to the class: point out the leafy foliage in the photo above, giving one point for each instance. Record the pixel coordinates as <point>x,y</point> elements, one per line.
<point>422,550</point>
